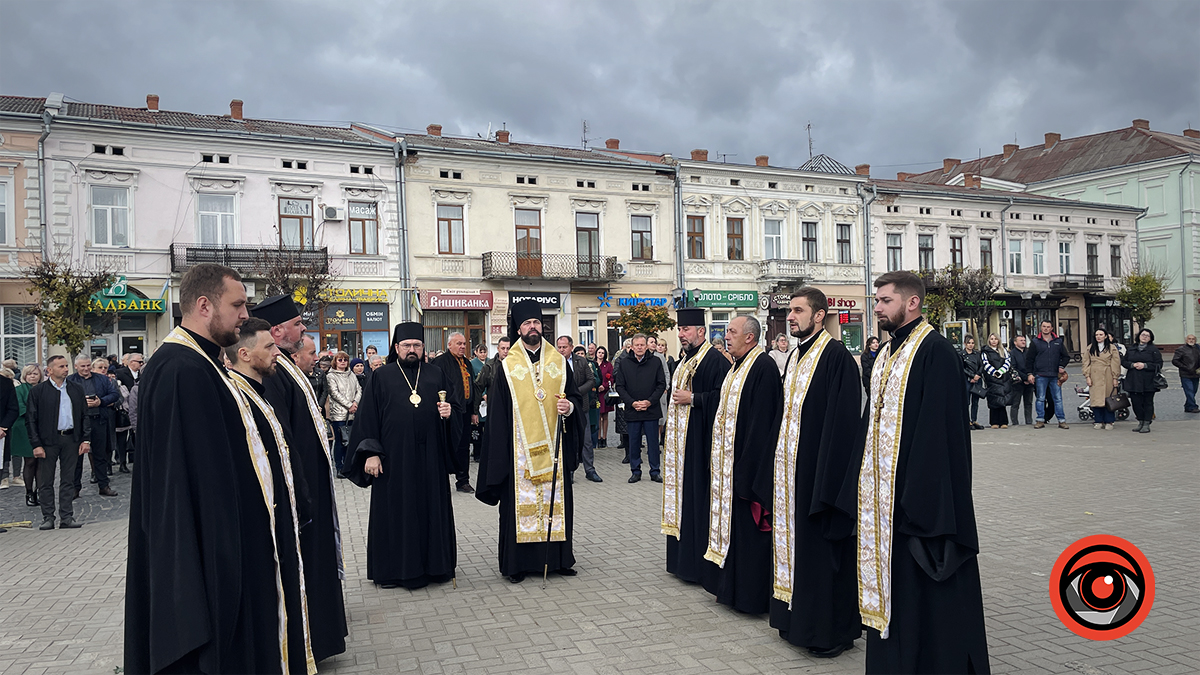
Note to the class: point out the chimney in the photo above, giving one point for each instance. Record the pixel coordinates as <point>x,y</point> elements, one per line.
<point>863,170</point>
<point>151,101</point>
<point>1052,139</point>
<point>968,180</point>
<point>699,155</point>
<point>1192,133</point>
<point>235,109</point>
<point>762,160</point>
<point>904,175</point>
<point>1142,124</point>
<point>948,165</point>
<point>434,130</point>
<point>501,135</point>
<point>1010,149</point>
<point>613,144</point>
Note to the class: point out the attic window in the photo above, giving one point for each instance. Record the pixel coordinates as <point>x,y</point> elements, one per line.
<point>206,158</point>
<point>734,182</point>
<point>1091,221</point>
<point>1114,222</point>
<point>1016,216</point>
<point>926,210</point>
<point>117,150</point>
<point>1039,216</point>
<point>956,212</point>
<point>369,170</point>
<point>694,179</point>
<point>1064,219</point>
<point>773,185</point>
<point>808,188</point>
<point>301,165</point>
<point>641,187</point>
<point>893,209</point>
<point>585,183</point>
<point>222,159</point>
<point>450,173</point>
<point>287,163</point>
<point>844,191</point>
<point>527,180</point>
<point>100,149</point>
<point>985,214</point>
<point>354,169</point>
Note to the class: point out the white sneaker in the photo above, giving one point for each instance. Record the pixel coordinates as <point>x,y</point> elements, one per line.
<point>3,483</point>
<point>1108,425</point>
<point>17,481</point>
<point>1097,425</point>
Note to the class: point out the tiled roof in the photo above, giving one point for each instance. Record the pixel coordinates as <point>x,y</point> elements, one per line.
<point>932,189</point>
<point>1072,156</point>
<point>826,164</point>
<point>419,141</point>
<point>183,120</point>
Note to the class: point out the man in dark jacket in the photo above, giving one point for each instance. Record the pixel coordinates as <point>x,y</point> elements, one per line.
<point>1187,360</point>
<point>457,369</point>
<point>584,383</point>
<point>99,393</point>
<point>1025,388</point>
<point>641,383</point>
<point>59,433</point>
<point>1046,358</point>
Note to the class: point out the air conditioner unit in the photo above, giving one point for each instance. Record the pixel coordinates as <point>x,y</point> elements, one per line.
<point>1007,314</point>
<point>622,269</point>
<point>334,212</point>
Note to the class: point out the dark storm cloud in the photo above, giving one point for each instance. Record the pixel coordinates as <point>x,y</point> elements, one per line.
<point>886,83</point>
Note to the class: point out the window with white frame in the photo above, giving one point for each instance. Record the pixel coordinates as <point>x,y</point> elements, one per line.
<point>3,213</point>
<point>643,245</point>
<point>1114,259</point>
<point>925,252</point>
<point>1014,256</point>
<point>1039,257</point>
<point>450,229</point>
<point>218,220</point>
<point>19,338</point>
<point>895,252</point>
<point>1064,257</point>
<point>587,331</point>
<point>843,244</point>
<point>808,241</point>
<point>110,216</point>
<point>773,239</point>
<point>364,228</point>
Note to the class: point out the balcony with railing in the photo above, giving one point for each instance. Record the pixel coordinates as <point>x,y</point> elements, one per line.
<point>783,270</point>
<point>513,265</point>
<point>1077,282</point>
<point>248,259</point>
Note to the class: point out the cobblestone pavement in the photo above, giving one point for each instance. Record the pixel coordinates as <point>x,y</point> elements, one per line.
<point>1036,491</point>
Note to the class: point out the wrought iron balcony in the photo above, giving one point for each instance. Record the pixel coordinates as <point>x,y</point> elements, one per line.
<point>513,265</point>
<point>783,270</point>
<point>249,260</point>
<point>1076,282</point>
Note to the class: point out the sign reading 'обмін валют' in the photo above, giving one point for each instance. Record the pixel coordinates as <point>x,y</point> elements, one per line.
<point>456,299</point>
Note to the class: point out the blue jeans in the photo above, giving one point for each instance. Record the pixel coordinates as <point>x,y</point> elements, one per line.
<point>649,429</point>
<point>1102,415</point>
<point>1051,383</point>
<point>1189,391</point>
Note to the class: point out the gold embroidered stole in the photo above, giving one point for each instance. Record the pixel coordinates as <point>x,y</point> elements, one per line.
<point>314,411</point>
<point>262,470</point>
<point>720,512</point>
<point>799,377</point>
<point>876,480</point>
<point>533,462</point>
<point>676,444</point>
<point>285,462</point>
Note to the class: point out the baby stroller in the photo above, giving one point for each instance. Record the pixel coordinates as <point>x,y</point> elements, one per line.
<point>1085,408</point>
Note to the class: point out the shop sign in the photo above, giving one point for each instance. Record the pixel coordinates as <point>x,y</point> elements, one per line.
<point>374,316</point>
<point>354,295</point>
<point>842,303</point>
<point>724,298</point>
<point>295,207</point>
<point>635,299</point>
<point>986,303</point>
<point>342,316</point>
<point>546,300</point>
<point>361,209</point>
<point>117,298</point>
<point>456,299</point>
<point>774,300</point>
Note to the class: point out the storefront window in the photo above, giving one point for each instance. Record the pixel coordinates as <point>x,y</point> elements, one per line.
<point>20,336</point>
<point>440,324</point>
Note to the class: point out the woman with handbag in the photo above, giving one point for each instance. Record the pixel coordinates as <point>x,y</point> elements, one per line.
<point>607,402</point>
<point>344,394</point>
<point>997,370</point>
<point>1144,364</point>
<point>1102,370</point>
<point>973,369</point>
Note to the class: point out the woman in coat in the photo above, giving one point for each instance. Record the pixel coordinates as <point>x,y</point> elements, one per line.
<point>1144,362</point>
<point>606,383</point>
<point>870,352</point>
<point>973,369</point>
<point>18,438</point>
<point>344,393</point>
<point>1102,370</point>
<point>997,371</point>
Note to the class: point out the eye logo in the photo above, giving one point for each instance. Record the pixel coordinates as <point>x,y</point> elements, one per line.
<point>1102,587</point>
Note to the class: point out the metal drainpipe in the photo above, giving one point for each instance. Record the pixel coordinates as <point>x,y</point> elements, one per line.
<point>1004,246</point>
<point>42,185</point>
<point>680,279</point>
<point>862,193</point>
<point>1183,298</point>
<point>400,149</point>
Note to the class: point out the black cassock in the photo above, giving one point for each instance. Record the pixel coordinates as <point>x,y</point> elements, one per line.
<point>745,581</point>
<point>824,611</point>
<point>494,484</point>
<point>685,555</point>
<point>937,604</point>
<point>200,593</point>
<point>326,608</point>
<point>410,538</point>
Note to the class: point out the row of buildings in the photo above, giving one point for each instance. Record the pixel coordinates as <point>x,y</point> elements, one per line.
<point>455,229</point>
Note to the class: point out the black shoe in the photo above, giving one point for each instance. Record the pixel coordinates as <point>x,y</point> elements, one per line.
<point>656,478</point>
<point>389,586</point>
<point>340,475</point>
<point>568,571</point>
<point>3,529</point>
<point>92,480</point>
<point>603,442</point>
<point>595,477</point>
<point>829,653</point>
<point>69,524</point>
<point>1145,429</point>
<point>466,488</point>
<point>516,578</point>
<point>635,478</point>
<point>625,461</point>
<point>1138,429</point>
<point>31,499</point>
<point>47,524</point>
<point>123,469</point>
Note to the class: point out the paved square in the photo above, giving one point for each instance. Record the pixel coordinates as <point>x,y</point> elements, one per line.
<point>1036,491</point>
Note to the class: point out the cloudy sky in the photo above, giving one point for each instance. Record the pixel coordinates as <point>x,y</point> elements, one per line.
<point>899,85</point>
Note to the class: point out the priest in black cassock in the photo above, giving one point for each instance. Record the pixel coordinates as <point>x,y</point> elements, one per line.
<point>530,406</point>
<point>695,395</point>
<point>291,395</point>
<point>812,484</point>
<point>253,358</point>
<point>744,433</point>
<point>918,570</point>
<point>400,448</point>
<point>202,591</point>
